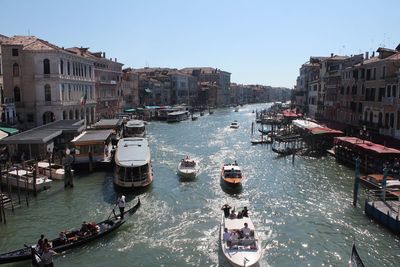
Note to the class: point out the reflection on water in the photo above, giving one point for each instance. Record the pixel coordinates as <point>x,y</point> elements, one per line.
<point>302,209</point>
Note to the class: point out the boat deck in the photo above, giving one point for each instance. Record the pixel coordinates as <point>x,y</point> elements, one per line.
<point>391,208</point>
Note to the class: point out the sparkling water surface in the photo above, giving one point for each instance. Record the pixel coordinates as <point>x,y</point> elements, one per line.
<point>303,209</point>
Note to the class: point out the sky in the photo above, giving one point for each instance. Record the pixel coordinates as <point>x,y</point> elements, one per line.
<point>259,42</point>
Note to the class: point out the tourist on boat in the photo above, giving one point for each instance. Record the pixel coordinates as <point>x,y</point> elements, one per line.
<point>40,243</point>
<point>235,163</point>
<point>47,257</point>
<point>84,229</point>
<point>234,238</point>
<point>121,204</point>
<point>93,228</point>
<point>232,215</point>
<point>226,208</point>
<point>245,212</point>
<point>63,237</point>
<point>227,237</point>
<point>239,215</point>
<point>245,231</point>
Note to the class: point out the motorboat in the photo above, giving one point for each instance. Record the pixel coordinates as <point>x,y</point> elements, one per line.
<point>241,248</point>
<point>262,140</point>
<point>53,170</point>
<point>234,125</point>
<point>24,180</point>
<point>231,174</point>
<point>135,128</point>
<point>187,168</point>
<point>133,163</point>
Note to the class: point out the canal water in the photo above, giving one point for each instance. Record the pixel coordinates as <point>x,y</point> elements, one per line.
<point>303,209</point>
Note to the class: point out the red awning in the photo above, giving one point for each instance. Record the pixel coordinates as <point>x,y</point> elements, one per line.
<point>325,130</point>
<point>367,145</point>
<point>291,113</point>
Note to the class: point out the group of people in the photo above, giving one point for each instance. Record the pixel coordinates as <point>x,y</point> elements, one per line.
<point>88,229</point>
<point>236,237</point>
<point>188,163</point>
<point>232,214</point>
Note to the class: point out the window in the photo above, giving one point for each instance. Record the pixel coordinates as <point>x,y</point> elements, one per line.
<point>389,91</point>
<point>383,72</point>
<point>15,70</point>
<point>46,66</point>
<point>17,94</point>
<point>398,120</point>
<point>360,107</point>
<point>391,121</point>
<point>47,93</point>
<point>374,76</point>
<point>381,94</point>
<point>14,52</point>
<point>380,118</point>
<point>68,68</point>
<point>394,90</point>
<point>61,66</point>
<point>368,74</point>
<point>64,115</point>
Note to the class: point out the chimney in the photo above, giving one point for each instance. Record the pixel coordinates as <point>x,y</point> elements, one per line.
<point>115,59</point>
<point>331,54</point>
<point>366,55</point>
<point>104,54</point>
<point>373,53</point>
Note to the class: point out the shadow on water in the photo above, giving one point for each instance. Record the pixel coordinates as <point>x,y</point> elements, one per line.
<point>187,179</point>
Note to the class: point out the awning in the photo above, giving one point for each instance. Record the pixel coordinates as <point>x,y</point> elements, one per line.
<point>3,134</point>
<point>9,131</point>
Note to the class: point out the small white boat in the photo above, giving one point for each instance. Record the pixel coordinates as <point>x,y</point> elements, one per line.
<point>187,168</point>
<point>236,109</point>
<point>234,125</point>
<point>24,180</point>
<point>245,250</point>
<point>57,170</point>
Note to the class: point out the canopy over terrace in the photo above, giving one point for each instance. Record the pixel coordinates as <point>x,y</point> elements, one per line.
<point>367,146</point>
<point>37,141</point>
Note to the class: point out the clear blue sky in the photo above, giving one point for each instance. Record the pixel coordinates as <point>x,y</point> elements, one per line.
<point>263,42</point>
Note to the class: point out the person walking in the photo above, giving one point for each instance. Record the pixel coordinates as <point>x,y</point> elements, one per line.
<point>121,204</point>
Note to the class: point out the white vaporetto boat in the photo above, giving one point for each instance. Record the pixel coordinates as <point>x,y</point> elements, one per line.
<point>187,168</point>
<point>133,163</point>
<point>135,128</point>
<point>234,125</point>
<point>242,248</point>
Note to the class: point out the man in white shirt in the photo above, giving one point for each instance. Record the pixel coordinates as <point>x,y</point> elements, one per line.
<point>121,205</point>
<point>227,237</point>
<point>245,230</point>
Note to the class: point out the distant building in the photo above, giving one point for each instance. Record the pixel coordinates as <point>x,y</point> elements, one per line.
<point>130,88</point>
<point>45,82</point>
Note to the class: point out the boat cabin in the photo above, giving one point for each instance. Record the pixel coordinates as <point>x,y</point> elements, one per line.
<point>95,144</point>
<point>177,116</point>
<point>135,128</point>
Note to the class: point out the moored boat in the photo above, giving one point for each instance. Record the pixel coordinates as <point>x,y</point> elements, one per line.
<point>57,170</point>
<point>262,140</point>
<point>231,174</point>
<point>187,168</point>
<point>133,163</point>
<point>355,259</point>
<point>241,247</point>
<point>75,238</point>
<point>135,128</point>
<point>24,179</point>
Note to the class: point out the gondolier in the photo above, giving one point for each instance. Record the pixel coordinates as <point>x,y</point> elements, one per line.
<point>121,205</point>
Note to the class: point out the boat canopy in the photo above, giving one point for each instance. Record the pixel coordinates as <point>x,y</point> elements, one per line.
<point>231,167</point>
<point>366,145</point>
<point>132,152</point>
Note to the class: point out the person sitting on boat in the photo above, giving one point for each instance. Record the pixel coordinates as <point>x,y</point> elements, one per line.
<point>84,229</point>
<point>239,215</point>
<point>245,231</point>
<point>235,163</point>
<point>245,212</point>
<point>226,208</point>
<point>232,215</point>
<point>227,237</point>
<point>63,237</point>
<point>234,238</point>
<point>93,228</point>
<point>39,246</point>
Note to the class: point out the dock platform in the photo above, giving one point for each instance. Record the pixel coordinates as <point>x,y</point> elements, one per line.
<point>385,213</point>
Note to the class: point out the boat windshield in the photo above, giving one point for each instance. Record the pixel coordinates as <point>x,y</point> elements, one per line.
<point>233,174</point>
<point>132,174</point>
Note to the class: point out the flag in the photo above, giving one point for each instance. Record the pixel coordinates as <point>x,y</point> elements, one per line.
<point>83,99</point>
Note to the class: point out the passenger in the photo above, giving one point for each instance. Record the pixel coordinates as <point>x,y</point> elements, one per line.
<point>245,231</point>
<point>226,208</point>
<point>39,246</point>
<point>227,237</point>
<point>84,229</point>
<point>46,244</point>
<point>239,215</point>
<point>232,215</point>
<point>63,237</point>
<point>234,238</point>
<point>235,163</point>
<point>245,212</point>
<point>93,227</point>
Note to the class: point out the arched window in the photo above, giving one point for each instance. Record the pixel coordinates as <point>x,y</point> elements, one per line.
<point>47,93</point>
<point>394,91</point>
<point>365,116</point>
<point>71,115</point>
<point>68,68</point>
<point>380,118</point>
<point>76,114</point>
<point>46,66</point>
<point>61,66</point>
<point>15,70</point>
<point>64,115</point>
<point>371,116</point>
<point>17,94</point>
<point>387,120</point>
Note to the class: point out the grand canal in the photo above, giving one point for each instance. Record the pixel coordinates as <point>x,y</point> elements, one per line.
<point>302,209</point>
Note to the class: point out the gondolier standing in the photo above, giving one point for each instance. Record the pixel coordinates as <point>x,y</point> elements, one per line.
<point>121,204</point>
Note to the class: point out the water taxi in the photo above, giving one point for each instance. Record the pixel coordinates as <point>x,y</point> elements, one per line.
<point>57,170</point>
<point>234,125</point>
<point>187,168</point>
<point>133,163</point>
<point>177,116</point>
<point>23,179</point>
<point>135,128</point>
<point>240,245</point>
<point>231,174</point>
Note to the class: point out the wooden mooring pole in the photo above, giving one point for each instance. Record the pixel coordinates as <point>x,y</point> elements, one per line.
<point>356,182</point>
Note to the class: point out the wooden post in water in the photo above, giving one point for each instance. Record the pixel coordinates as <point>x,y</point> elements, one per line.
<point>90,161</point>
<point>18,188</point>
<point>252,128</point>
<point>34,174</point>
<point>384,181</point>
<point>356,182</point>
<point>27,192</point>
<point>9,190</point>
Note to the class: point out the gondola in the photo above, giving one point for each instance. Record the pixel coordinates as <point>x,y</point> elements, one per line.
<point>355,260</point>
<point>104,227</point>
